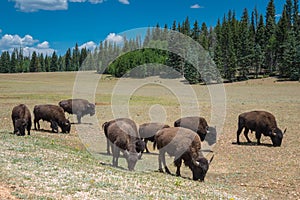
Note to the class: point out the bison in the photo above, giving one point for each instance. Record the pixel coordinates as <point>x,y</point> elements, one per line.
<point>262,122</point>
<point>53,114</point>
<point>21,119</point>
<point>184,144</point>
<point>147,131</point>
<point>194,123</point>
<point>123,135</point>
<point>79,107</point>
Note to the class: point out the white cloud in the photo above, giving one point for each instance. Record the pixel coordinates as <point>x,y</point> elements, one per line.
<point>43,45</point>
<point>196,6</point>
<point>124,1</point>
<point>89,46</point>
<point>112,37</point>
<point>36,5</point>
<point>27,43</point>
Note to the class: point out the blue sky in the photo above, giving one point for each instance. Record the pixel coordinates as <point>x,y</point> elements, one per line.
<point>55,25</point>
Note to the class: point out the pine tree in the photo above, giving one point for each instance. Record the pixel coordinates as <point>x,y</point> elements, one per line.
<point>13,61</point>
<point>75,58</point>
<point>270,49</point>
<point>54,62</point>
<point>68,61</point>
<point>34,63</point>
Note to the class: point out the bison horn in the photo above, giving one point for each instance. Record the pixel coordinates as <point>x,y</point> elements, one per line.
<point>211,159</point>
<point>197,163</point>
<point>284,131</point>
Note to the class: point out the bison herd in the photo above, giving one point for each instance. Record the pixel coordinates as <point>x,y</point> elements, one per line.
<point>183,141</point>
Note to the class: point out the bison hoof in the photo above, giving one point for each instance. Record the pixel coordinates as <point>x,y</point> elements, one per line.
<point>160,170</point>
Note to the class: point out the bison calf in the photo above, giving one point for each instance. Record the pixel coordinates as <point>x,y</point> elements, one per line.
<point>261,122</point>
<point>21,119</point>
<point>79,107</point>
<point>53,114</point>
<point>185,145</point>
<point>147,131</point>
<point>197,124</point>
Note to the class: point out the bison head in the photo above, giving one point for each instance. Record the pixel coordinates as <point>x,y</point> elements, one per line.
<point>131,158</point>
<point>276,137</point>
<point>20,126</point>
<point>200,168</point>
<point>202,133</point>
<point>91,109</point>
<point>65,126</point>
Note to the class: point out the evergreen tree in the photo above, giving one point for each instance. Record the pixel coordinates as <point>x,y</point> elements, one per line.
<point>13,61</point>
<point>4,62</point>
<point>68,61</point>
<point>54,62</point>
<point>270,49</point>
<point>75,58</point>
<point>34,63</point>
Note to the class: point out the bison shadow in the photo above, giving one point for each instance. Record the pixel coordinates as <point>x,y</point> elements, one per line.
<point>107,164</point>
<point>252,144</point>
<point>48,131</point>
<point>81,123</point>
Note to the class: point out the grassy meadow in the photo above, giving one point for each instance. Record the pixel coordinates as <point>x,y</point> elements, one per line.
<point>47,165</point>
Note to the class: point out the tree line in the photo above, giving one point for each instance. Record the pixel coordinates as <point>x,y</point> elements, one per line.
<point>250,47</point>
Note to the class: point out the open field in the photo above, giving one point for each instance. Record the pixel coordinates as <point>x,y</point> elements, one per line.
<point>58,166</point>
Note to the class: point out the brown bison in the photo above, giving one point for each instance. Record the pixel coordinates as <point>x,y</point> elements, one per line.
<point>53,114</point>
<point>184,144</point>
<point>194,123</point>
<point>261,122</point>
<point>123,135</point>
<point>79,107</point>
<point>21,119</point>
<point>147,131</point>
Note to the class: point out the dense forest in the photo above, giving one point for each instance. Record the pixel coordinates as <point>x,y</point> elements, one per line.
<point>250,47</point>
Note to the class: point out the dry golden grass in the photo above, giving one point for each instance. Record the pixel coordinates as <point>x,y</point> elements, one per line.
<point>238,171</point>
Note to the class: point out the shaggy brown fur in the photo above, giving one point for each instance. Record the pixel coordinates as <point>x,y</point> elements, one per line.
<point>53,114</point>
<point>21,119</point>
<point>197,124</point>
<point>147,131</point>
<point>79,107</point>
<point>261,122</point>
<point>184,144</point>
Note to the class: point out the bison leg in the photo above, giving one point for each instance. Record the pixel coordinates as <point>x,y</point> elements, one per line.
<point>162,159</point>
<point>258,136</point>
<point>238,134</point>
<point>36,121</point>
<point>79,118</point>
<point>116,155</point>
<point>246,131</point>
<point>178,163</point>
<point>28,127</point>
<point>146,141</point>
<point>107,146</point>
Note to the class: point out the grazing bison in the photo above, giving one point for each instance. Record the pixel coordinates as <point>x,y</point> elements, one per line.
<point>184,144</point>
<point>21,119</point>
<point>261,122</point>
<point>123,135</point>
<point>53,114</point>
<point>197,124</point>
<point>79,107</point>
<point>147,131</point>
